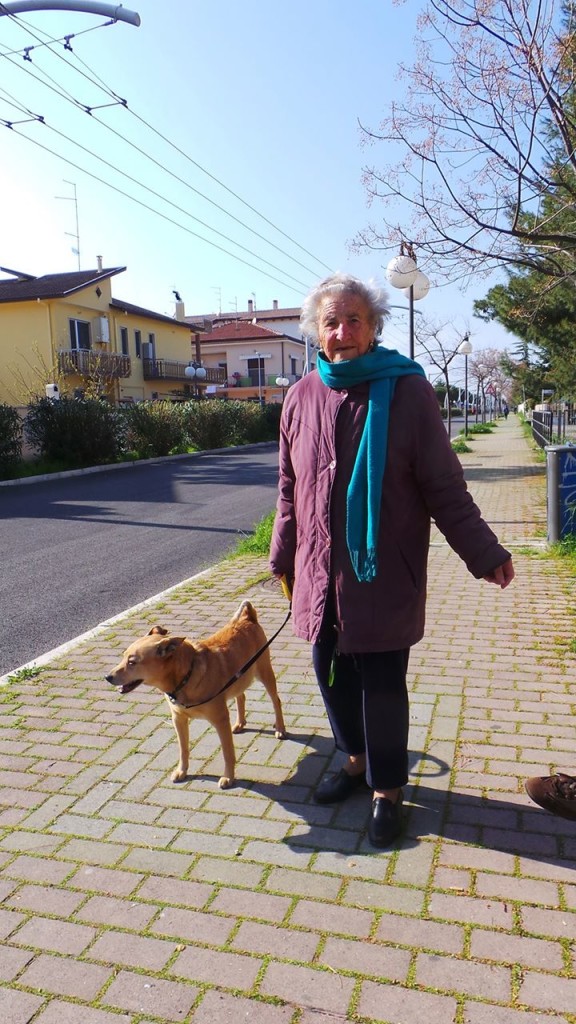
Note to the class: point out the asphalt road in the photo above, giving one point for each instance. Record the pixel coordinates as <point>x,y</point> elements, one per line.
<point>78,550</point>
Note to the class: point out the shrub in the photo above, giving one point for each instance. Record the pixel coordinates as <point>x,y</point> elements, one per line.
<point>75,433</point>
<point>481,428</point>
<point>10,440</point>
<point>154,429</point>
<point>219,424</point>
<point>460,446</point>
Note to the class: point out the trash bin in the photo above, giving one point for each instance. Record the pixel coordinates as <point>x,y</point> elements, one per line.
<point>560,490</point>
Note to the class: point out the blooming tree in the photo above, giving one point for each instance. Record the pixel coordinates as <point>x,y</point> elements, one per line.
<point>484,129</point>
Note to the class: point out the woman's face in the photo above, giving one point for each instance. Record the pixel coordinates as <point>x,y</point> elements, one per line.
<point>345,326</point>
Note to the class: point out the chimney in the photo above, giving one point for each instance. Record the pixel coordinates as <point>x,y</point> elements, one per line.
<point>274,303</point>
<point>180,312</point>
<point>99,264</point>
<point>250,305</point>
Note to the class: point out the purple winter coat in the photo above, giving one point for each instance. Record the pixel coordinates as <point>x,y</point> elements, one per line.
<point>423,479</point>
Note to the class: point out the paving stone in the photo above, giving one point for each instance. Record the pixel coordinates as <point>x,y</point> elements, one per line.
<point>456,975</point>
<point>132,950</point>
<point>469,909</point>
<point>547,992</point>
<point>18,1007</point>
<point>224,1008</point>
<point>59,1012</point>
<point>45,900</point>
<point>326,918</point>
<point>363,958</point>
<point>419,934</point>
<point>106,880</point>
<point>515,949</point>
<point>10,920</point>
<point>203,965</point>
<point>66,977</point>
<point>398,1005</point>
<point>193,926</point>
<point>241,903</point>
<point>119,913</point>
<point>173,890</point>
<point>302,883</point>
<point>86,851</point>
<point>554,923</point>
<point>302,986</point>
<point>483,1013</point>
<point>59,936</point>
<point>284,943</point>
<point>170,1001</point>
<point>12,961</point>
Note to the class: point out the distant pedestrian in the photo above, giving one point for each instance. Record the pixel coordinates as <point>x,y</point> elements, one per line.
<point>365,463</point>
<point>505,410</point>
<point>555,793</point>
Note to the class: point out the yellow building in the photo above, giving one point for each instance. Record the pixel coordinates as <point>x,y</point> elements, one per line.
<point>66,329</point>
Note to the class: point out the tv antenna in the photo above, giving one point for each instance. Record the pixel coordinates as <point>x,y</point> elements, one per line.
<point>72,234</point>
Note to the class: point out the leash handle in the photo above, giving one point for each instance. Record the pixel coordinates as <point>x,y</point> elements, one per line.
<point>286,589</point>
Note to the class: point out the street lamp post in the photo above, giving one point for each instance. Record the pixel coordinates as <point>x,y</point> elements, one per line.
<point>464,349</point>
<point>197,372</point>
<point>282,382</point>
<point>402,272</point>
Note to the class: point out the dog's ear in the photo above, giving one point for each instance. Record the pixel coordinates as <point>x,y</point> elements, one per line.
<point>158,631</point>
<point>167,647</point>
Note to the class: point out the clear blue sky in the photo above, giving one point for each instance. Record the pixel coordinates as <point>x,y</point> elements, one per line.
<point>266,97</point>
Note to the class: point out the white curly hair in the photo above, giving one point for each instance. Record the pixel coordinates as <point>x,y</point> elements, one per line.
<point>373,295</point>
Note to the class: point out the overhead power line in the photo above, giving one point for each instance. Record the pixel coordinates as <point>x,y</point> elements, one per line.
<point>145,206</point>
<point>99,83</point>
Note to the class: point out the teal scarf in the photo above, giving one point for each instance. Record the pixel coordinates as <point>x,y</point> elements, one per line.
<point>381,369</point>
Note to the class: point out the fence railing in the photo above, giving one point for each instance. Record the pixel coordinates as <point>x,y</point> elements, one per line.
<point>549,426</point>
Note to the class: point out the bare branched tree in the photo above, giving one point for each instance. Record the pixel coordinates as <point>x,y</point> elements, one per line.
<point>486,370</point>
<point>484,130</point>
<point>429,339</point>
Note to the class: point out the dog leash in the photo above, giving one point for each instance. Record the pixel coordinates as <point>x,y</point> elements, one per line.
<point>236,677</point>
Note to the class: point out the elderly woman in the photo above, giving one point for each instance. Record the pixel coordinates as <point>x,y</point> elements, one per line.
<point>365,463</point>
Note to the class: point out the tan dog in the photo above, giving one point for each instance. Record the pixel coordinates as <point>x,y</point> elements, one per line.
<point>195,672</point>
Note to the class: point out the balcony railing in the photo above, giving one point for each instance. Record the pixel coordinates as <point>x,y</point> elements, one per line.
<point>168,369</point>
<point>88,363</point>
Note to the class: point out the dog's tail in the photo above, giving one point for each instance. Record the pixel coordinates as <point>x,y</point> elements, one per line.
<point>246,611</point>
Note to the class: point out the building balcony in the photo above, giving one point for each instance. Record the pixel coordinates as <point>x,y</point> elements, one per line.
<point>86,362</point>
<point>169,369</point>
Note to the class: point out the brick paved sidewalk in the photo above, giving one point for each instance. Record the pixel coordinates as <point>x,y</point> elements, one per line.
<point>125,899</point>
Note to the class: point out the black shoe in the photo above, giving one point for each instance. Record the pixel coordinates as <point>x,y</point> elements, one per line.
<point>339,787</point>
<point>385,821</point>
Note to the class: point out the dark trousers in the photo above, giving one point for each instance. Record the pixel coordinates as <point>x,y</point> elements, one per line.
<point>367,706</point>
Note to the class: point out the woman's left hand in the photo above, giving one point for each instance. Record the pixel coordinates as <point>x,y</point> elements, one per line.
<point>502,575</point>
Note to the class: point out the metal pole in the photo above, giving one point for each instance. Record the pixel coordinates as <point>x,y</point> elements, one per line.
<point>552,495</point>
<point>118,13</point>
<point>465,396</point>
<point>411,320</point>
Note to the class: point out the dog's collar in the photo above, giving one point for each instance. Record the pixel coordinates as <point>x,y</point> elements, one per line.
<point>235,677</point>
<point>181,685</point>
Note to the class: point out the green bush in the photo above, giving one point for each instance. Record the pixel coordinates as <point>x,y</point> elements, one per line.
<point>219,424</point>
<point>481,428</point>
<point>10,440</point>
<point>460,446</point>
<point>154,429</point>
<point>75,433</point>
